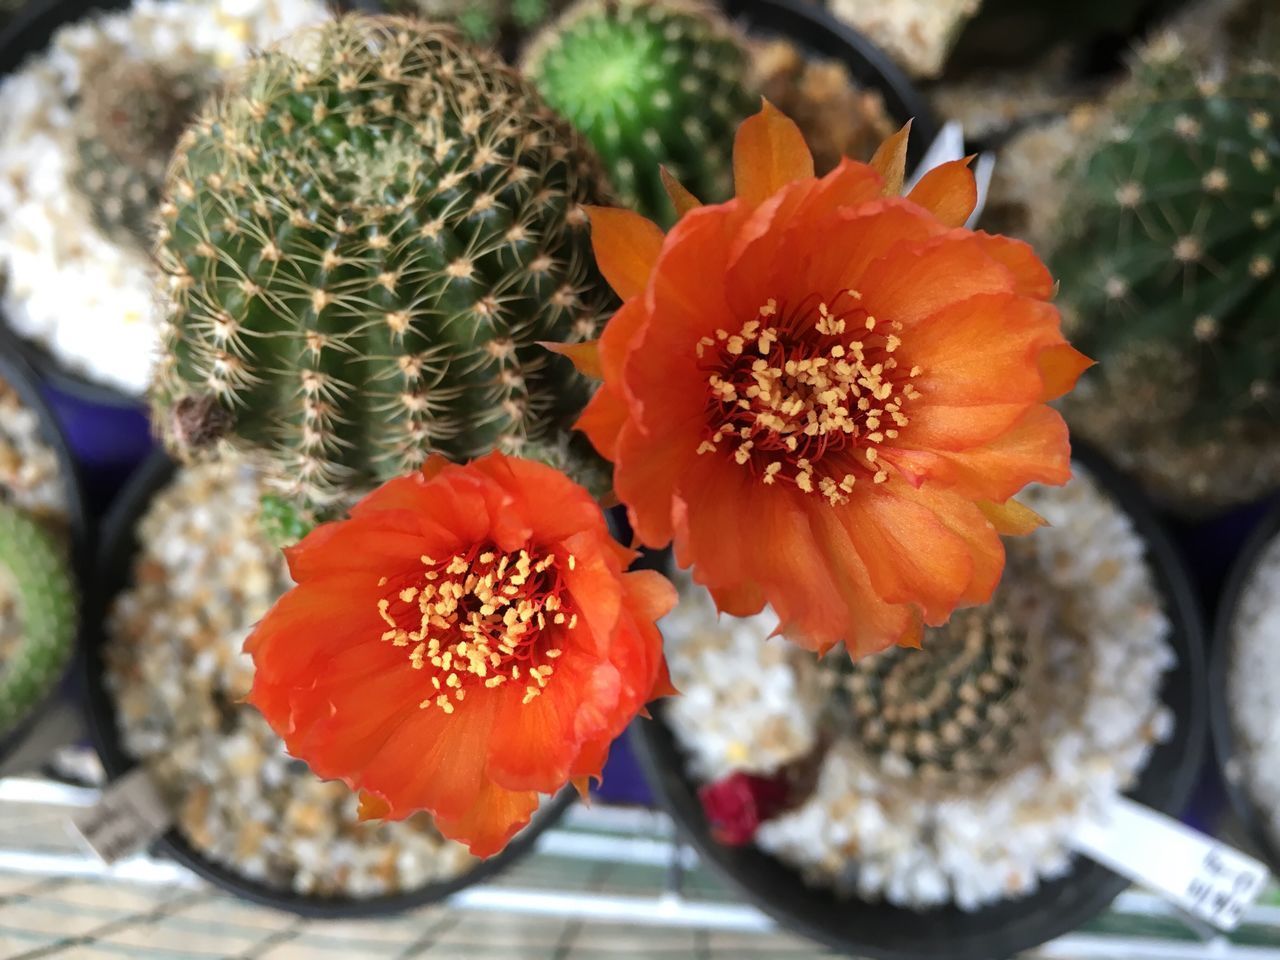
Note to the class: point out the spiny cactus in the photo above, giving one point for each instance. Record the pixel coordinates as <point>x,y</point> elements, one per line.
<point>960,711</point>
<point>1168,271</point>
<point>485,22</point>
<point>38,608</point>
<point>652,83</point>
<point>129,116</point>
<point>366,240</point>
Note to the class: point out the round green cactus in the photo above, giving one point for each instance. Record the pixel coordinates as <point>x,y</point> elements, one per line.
<point>366,242</point>
<point>653,83</point>
<point>485,22</point>
<point>1169,275</point>
<point>36,579</point>
<point>959,712</point>
<point>129,115</point>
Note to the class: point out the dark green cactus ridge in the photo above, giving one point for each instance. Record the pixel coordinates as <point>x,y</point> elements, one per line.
<point>34,570</point>
<point>955,714</point>
<point>129,116</point>
<point>1168,265</point>
<point>652,83</point>
<point>365,243</point>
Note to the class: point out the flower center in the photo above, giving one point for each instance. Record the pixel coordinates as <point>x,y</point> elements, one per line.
<point>807,398</point>
<point>481,617</point>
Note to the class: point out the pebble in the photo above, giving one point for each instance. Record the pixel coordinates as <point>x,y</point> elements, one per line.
<point>203,576</point>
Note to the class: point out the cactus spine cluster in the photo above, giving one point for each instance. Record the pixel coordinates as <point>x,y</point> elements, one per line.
<point>129,115</point>
<point>652,83</point>
<point>1168,267</point>
<point>366,241</point>
<point>956,714</point>
<point>37,591</point>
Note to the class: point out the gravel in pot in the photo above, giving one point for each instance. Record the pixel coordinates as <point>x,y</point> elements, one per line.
<point>1245,695</point>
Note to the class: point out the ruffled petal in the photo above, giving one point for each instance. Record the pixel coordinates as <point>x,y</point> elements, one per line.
<point>1011,518</point>
<point>603,418</point>
<point>1031,276</point>
<point>489,823</point>
<point>1060,367</point>
<point>584,356</point>
<point>680,197</point>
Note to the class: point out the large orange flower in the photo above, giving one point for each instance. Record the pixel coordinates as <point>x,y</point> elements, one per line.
<point>826,394</point>
<point>465,642</point>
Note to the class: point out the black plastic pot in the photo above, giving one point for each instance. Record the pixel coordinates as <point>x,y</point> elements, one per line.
<point>1221,721</point>
<point>114,572</point>
<point>27,34</point>
<point>886,932</point>
<point>19,375</point>
<point>818,34</point>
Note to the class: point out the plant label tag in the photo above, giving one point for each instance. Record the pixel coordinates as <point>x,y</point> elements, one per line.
<point>126,818</point>
<point>1203,876</point>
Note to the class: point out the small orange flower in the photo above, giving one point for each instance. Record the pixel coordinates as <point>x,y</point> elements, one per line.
<point>826,394</point>
<point>466,641</point>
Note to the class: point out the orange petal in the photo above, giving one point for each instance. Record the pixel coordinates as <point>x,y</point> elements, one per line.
<point>910,554</point>
<point>890,161</point>
<point>626,246</point>
<point>681,198</point>
<point>584,356</point>
<point>372,806</point>
<point>743,599</point>
<point>489,823</point>
<point>982,349</point>
<point>602,420</point>
<point>648,468</point>
<point>949,191</point>
<point>1035,449</point>
<point>962,517</point>
<point>1060,368</point>
<point>1012,518</point>
<point>1031,276</point>
<point>433,465</point>
<point>768,153</point>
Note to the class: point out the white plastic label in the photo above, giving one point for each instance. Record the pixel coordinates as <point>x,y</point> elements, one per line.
<point>1201,875</point>
<point>127,817</point>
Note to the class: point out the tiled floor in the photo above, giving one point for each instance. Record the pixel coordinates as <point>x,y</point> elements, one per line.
<point>600,887</point>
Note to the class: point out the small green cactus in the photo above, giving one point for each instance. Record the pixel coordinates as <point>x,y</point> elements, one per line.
<point>959,712</point>
<point>37,606</point>
<point>129,115</point>
<point>1168,271</point>
<point>652,83</point>
<point>366,242</point>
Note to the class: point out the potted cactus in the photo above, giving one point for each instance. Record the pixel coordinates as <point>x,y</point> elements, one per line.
<point>918,802</point>
<point>42,539</point>
<point>664,83</point>
<point>398,273</point>
<point>94,96</point>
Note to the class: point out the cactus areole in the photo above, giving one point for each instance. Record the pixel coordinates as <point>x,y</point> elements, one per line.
<point>365,240</point>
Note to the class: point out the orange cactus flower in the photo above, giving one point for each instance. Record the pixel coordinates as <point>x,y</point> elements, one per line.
<point>466,641</point>
<point>827,394</point>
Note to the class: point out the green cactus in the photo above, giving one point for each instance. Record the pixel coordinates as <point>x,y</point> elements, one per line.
<point>652,83</point>
<point>484,22</point>
<point>128,117</point>
<point>957,713</point>
<point>1168,273</point>
<point>366,243</point>
<point>38,608</point>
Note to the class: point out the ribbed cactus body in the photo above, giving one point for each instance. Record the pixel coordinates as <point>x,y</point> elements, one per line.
<point>366,241</point>
<point>1169,273</point>
<point>34,573</point>
<point>955,714</point>
<point>652,83</point>
<point>129,116</point>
